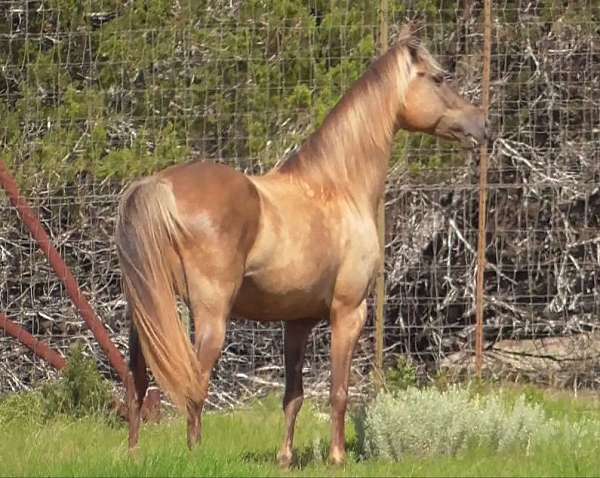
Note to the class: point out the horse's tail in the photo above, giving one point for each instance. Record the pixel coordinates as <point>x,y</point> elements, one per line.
<point>149,233</point>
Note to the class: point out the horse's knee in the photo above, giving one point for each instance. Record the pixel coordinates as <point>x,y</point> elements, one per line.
<point>293,400</point>
<point>338,399</point>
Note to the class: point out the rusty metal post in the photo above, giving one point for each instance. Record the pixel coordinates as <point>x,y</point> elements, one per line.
<point>380,280</point>
<point>39,348</point>
<point>483,186</point>
<point>63,272</point>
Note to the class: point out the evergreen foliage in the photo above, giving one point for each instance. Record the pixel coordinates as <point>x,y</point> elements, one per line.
<point>111,89</point>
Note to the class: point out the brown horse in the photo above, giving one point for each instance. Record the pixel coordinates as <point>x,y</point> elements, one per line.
<point>298,244</point>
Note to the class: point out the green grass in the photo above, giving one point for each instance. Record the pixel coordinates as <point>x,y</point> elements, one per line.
<point>244,443</point>
<point>559,403</point>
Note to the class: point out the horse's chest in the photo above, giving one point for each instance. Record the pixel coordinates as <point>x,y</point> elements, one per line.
<point>360,261</point>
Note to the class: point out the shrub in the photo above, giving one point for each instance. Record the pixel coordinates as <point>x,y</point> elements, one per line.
<point>402,376</point>
<point>431,422</point>
<point>81,391</point>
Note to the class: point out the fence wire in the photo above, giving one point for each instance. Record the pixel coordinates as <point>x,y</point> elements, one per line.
<point>96,93</point>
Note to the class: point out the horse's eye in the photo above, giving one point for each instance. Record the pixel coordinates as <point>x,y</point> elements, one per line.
<point>439,79</point>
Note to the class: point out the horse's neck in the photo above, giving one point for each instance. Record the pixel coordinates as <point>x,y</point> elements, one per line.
<point>349,153</point>
<point>350,160</point>
<point>370,185</point>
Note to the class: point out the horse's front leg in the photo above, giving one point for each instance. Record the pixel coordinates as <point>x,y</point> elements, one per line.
<point>346,326</point>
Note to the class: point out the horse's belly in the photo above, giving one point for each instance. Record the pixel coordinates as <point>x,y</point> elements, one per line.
<point>262,298</point>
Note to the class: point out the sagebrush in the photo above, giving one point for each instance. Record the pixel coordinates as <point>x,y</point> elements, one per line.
<point>430,422</point>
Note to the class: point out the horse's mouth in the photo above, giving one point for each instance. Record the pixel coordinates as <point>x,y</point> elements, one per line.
<point>469,133</point>
<point>466,139</point>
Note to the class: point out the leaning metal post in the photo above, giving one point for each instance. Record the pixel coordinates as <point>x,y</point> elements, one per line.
<point>39,348</point>
<point>63,272</point>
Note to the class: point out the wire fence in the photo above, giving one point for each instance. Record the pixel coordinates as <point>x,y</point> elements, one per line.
<point>93,94</point>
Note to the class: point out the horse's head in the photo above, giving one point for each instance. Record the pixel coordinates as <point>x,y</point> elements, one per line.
<point>431,105</point>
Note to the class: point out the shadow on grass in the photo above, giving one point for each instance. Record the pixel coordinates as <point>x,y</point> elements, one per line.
<point>317,454</point>
<point>260,457</point>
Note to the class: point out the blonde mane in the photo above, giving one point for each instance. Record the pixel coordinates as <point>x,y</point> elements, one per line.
<point>351,149</point>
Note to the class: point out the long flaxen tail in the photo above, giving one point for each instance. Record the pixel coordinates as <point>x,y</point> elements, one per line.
<point>149,231</point>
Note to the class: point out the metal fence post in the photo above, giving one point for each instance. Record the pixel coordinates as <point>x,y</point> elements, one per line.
<point>483,186</point>
<point>380,281</point>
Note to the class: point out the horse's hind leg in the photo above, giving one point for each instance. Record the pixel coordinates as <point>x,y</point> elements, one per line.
<point>210,309</point>
<point>210,335</point>
<point>296,336</point>
<point>137,386</point>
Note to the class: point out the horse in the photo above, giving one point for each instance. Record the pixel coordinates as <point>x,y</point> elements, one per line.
<point>298,244</point>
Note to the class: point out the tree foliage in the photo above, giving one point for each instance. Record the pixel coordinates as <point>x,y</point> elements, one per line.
<point>113,89</point>
<point>108,89</point>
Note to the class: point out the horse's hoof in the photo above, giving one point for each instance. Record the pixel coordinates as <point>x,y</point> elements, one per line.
<point>134,452</point>
<point>337,459</point>
<point>193,436</point>
<point>193,441</point>
<point>133,444</point>
<point>285,461</point>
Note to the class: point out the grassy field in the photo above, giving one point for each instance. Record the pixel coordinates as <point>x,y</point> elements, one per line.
<point>244,443</point>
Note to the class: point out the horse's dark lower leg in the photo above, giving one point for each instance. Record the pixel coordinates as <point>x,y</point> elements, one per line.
<point>137,386</point>
<point>346,325</point>
<point>296,335</point>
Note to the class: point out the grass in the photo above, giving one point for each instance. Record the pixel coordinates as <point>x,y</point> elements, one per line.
<point>244,443</point>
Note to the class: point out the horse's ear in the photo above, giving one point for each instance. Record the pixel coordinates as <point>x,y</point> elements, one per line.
<point>405,31</point>
<point>409,34</point>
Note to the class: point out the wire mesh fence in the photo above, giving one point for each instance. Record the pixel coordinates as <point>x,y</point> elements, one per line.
<point>96,93</point>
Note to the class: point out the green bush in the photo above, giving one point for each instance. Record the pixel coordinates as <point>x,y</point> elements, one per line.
<point>402,376</point>
<point>81,391</point>
<point>430,422</point>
